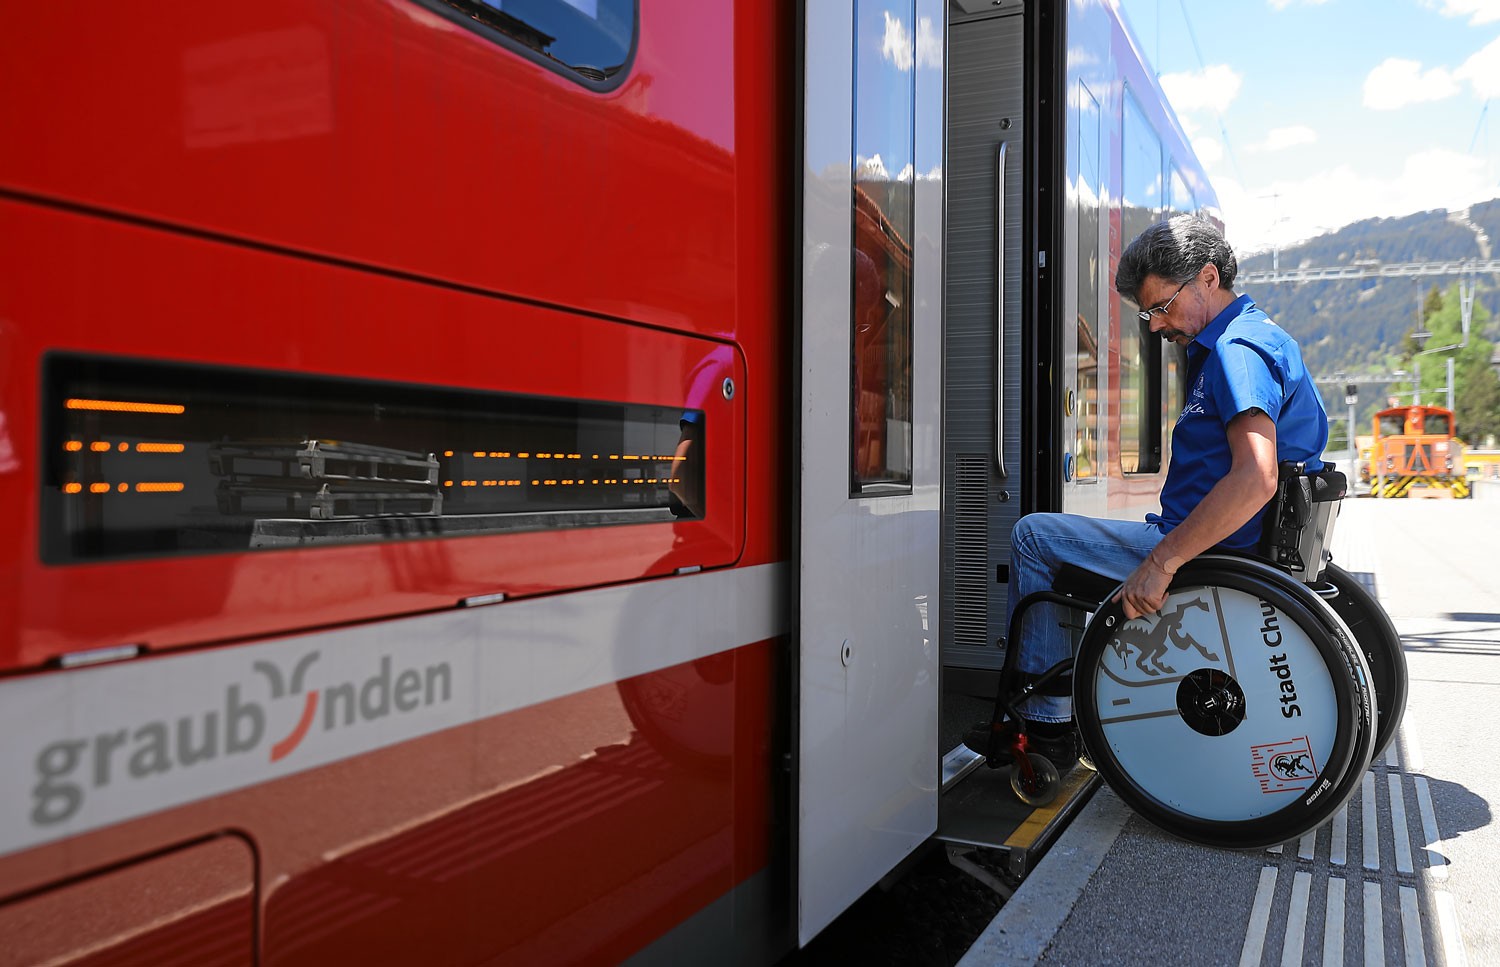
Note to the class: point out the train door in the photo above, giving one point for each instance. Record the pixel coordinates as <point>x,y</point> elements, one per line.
<point>983,454</point>
<point>870,337</point>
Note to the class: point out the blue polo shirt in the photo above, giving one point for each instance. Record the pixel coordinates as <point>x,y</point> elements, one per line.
<point>1240,361</point>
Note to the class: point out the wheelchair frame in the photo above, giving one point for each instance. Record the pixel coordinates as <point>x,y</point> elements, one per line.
<point>1297,528</point>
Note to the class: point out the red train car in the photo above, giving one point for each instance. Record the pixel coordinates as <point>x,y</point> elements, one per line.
<point>496,481</point>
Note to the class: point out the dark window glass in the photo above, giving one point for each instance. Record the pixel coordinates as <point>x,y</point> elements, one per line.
<point>1393,425</point>
<point>592,38</point>
<point>884,174</point>
<point>155,458</point>
<point>1140,351</point>
<point>1435,423</point>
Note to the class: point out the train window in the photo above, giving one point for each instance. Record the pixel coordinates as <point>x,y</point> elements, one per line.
<point>1180,200</point>
<point>1435,423</point>
<point>588,40</point>
<point>1140,359</point>
<point>1086,357</point>
<point>147,458</point>
<point>1392,425</point>
<point>883,218</point>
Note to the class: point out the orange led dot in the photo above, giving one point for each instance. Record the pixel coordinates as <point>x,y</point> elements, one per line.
<point>73,446</point>
<point>478,453</point>
<point>99,488</point>
<point>118,406</point>
<point>98,446</point>
<point>73,488</point>
<point>123,487</point>
<point>596,456</point>
<point>504,453</point>
<point>123,447</point>
<point>614,456</point>
<point>447,453</point>
<point>158,487</point>
<point>523,456</point>
<point>536,483</point>
<point>596,481</point>
<point>575,456</point>
<point>447,483</point>
<point>159,447</point>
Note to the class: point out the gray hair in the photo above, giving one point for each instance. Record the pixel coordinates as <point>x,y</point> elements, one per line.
<point>1176,250</point>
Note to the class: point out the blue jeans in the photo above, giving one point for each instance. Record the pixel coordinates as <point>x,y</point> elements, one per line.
<point>1039,545</point>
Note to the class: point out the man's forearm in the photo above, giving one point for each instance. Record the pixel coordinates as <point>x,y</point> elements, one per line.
<point>1226,508</point>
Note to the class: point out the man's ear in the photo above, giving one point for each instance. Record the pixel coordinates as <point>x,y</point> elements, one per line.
<point>1211,280</point>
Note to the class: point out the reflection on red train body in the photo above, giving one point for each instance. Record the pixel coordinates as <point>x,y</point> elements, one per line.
<point>687,774</point>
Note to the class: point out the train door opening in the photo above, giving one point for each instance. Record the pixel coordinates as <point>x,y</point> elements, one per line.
<point>1001,426</point>
<point>868,447</point>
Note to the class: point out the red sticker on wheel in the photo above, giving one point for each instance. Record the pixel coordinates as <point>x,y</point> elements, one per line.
<point>1286,766</point>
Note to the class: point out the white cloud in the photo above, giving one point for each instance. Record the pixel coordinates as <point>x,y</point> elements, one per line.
<point>929,43</point>
<point>1483,70</point>
<point>1330,199</point>
<point>1210,151</point>
<point>896,45</point>
<point>1211,88</point>
<point>1396,82</point>
<point>1478,11</point>
<point>1282,138</point>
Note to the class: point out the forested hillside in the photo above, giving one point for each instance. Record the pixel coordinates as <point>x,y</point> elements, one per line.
<point>1355,325</point>
<point>1360,326</point>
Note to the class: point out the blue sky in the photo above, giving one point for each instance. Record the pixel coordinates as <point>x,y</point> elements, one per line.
<point>1334,110</point>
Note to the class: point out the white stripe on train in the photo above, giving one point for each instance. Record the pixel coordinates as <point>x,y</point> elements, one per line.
<point>115,742</point>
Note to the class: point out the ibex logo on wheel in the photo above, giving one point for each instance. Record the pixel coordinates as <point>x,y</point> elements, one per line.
<point>1140,645</point>
<point>164,743</point>
<point>1285,766</point>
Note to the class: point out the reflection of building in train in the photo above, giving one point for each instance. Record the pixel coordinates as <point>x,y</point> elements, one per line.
<point>1414,451</point>
<point>882,402</point>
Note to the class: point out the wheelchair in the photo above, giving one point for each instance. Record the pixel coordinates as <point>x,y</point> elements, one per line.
<point>1246,711</point>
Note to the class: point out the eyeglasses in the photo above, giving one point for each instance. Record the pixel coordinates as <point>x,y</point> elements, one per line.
<point>1145,314</point>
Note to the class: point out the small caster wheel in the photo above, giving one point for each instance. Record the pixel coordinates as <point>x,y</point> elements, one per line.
<point>1043,784</point>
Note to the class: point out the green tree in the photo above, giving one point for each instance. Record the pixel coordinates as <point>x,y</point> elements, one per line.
<point>1477,407</point>
<point>1476,388</point>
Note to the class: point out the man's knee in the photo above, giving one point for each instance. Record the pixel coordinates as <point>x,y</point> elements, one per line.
<point>1033,530</point>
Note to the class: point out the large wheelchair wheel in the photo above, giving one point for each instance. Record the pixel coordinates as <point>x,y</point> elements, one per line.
<point>1381,644</point>
<point>1240,716</point>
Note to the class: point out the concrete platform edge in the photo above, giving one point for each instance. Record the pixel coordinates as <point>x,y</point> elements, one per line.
<point>1023,928</point>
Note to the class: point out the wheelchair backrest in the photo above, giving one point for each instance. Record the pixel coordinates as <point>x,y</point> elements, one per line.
<point>1298,525</point>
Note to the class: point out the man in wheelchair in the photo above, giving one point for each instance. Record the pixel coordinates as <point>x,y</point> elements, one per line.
<point>1251,405</point>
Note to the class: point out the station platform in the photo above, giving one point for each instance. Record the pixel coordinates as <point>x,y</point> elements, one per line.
<point>1404,873</point>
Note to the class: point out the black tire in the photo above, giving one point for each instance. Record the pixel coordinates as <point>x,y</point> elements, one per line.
<point>1184,757</point>
<point>1379,641</point>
